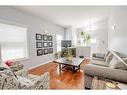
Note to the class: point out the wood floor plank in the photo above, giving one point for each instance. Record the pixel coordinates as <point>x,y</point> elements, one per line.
<point>65,80</point>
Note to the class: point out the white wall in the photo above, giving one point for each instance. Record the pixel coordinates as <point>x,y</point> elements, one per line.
<point>35,25</point>
<point>118,37</point>
<point>99,31</point>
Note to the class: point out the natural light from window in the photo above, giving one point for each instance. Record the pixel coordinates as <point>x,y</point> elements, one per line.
<point>58,39</point>
<point>13,42</point>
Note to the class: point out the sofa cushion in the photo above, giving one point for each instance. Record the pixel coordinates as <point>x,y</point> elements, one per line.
<point>100,63</point>
<point>105,72</point>
<point>121,55</point>
<point>117,64</point>
<point>99,59</point>
<point>99,55</point>
<point>109,58</point>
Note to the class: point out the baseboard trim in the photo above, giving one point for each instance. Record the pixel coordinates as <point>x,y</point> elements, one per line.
<point>39,65</point>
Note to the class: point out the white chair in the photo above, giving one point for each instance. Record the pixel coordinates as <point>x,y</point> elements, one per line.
<point>23,80</point>
<point>30,81</point>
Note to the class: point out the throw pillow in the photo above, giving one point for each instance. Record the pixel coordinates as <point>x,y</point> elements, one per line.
<point>125,60</point>
<point>109,58</point>
<point>117,64</point>
<point>121,55</point>
<point>106,55</point>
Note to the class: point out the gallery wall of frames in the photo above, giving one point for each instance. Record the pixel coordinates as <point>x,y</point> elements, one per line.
<point>44,44</point>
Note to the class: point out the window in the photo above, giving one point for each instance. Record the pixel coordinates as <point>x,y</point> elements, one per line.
<point>93,41</point>
<point>13,42</point>
<point>58,39</point>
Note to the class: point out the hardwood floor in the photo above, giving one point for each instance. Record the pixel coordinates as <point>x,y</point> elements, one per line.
<point>65,80</point>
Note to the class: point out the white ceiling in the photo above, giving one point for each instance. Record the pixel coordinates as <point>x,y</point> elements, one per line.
<point>77,16</point>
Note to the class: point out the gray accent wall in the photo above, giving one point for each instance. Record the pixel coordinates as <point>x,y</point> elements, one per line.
<point>34,25</point>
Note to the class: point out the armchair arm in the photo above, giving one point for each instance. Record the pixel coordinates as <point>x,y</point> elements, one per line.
<point>40,82</point>
<point>34,81</point>
<point>23,72</point>
<point>106,72</point>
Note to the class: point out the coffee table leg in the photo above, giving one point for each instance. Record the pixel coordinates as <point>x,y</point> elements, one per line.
<point>73,69</point>
<point>60,68</point>
<point>79,68</point>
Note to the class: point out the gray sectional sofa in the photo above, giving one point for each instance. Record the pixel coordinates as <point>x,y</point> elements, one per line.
<point>112,65</point>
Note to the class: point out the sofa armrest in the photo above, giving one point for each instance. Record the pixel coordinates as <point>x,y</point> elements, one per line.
<point>106,72</point>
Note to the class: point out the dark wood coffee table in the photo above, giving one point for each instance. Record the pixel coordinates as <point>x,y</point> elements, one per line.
<point>72,65</point>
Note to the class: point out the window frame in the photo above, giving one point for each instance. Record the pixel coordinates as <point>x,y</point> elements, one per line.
<point>27,40</point>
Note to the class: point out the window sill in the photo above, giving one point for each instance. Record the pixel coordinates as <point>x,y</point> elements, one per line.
<point>20,59</point>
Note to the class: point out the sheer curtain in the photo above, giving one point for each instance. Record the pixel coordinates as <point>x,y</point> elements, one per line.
<point>13,42</point>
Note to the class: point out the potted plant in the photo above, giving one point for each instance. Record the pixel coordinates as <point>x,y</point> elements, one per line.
<point>86,37</point>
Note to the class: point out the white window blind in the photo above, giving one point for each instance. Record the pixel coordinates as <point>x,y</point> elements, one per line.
<point>13,42</point>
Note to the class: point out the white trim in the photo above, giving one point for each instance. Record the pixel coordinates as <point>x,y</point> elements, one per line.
<point>39,65</point>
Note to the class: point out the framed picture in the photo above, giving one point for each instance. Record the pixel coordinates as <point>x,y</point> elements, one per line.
<point>50,38</point>
<point>45,38</point>
<point>45,51</point>
<point>50,44</point>
<point>39,52</point>
<point>50,50</point>
<point>45,44</point>
<point>38,44</point>
<point>38,36</point>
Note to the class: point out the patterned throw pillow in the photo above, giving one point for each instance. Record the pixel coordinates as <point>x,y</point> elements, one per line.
<point>10,79</point>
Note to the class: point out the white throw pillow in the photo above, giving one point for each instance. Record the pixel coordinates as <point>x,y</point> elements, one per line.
<point>106,55</point>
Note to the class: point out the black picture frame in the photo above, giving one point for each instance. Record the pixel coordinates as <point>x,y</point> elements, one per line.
<point>50,44</point>
<point>38,36</point>
<point>38,44</point>
<point>39,52</point>
<point>50,38</point>
<point>46,51</point>
<point>50,50</point>
<point>45,37</point>
<point>45,44</point>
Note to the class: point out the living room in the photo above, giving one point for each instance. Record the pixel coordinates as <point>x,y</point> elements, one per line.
<point>34,43</point>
